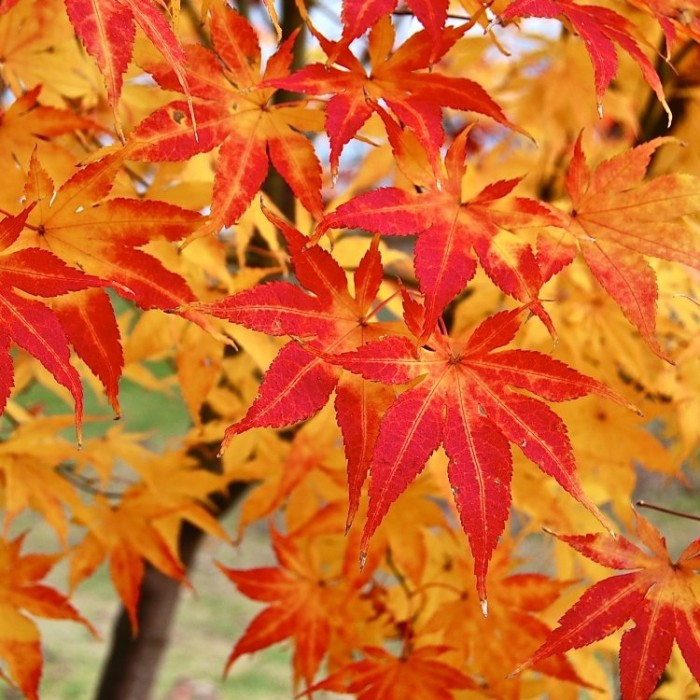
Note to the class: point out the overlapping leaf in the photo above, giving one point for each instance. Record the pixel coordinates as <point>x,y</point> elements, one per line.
<point>23,594</point>
<point>38,47</point>
<point>299,381</point>
<point>601,30</point>
<point>658,595</point>
<point>464,399</point>
<point>29,477</point>
<point>104,238</point>
<point>418,674</point>
<point>675,17</point>
<point>232,110</point>
<point>29,323</point>
<point>359,15</point>
<point>26,126</point>
<point>125,534</point>
<point>107,29</point>
<point>304,603</point>
<point>400,79</point>
<point>453,234</point>
<point>516,602</point>
<point>617,218</point>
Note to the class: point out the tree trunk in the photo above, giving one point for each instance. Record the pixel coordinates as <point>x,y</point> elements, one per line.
<point>132,664</point>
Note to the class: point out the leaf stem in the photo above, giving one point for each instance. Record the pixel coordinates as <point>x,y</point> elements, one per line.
<point>661,509</point>
<point>26,225</point>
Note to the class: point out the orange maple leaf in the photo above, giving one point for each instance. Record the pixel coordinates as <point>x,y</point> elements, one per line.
<point>658,595</point>
<point>126,534</point>
<point>305,602</point>
<point>103,237</point>
<point>20,593</point>
<point>419,675</point>
<point>617,219</point>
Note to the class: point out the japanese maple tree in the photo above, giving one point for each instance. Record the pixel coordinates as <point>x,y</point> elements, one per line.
<point>420,281</point>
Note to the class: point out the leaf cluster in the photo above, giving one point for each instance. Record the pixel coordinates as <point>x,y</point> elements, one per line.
<point>425,290</point>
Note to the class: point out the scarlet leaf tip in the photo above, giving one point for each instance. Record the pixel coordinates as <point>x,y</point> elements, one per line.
<point>363,559</point>
<point>484,608</point>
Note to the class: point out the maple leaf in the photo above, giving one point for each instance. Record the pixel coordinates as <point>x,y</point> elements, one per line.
<point>418,674</point>
<point>658,595</point>
<point>28,472</point>
<point>29,323</point>
<point>234,111</point>
<point>299,381</point>
<point>27,125</point>
<point>601,29</point>
<point>617,219</point>
<point>107,29</point>
<point>22,593</point>
<point>464,401</point>
<point>279,468</point>
<point>126,534</point>
<point>104,238</point>
<point>415,97</point>
<point>304,602</point>
<point>38,46</point>
<point>176,480</point>
<point>452,233</point>
<point>515,600</point>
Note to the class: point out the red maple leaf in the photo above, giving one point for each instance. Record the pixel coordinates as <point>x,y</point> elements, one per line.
<point>233,111</point>
<point>658,595</point>
<point>601,29</point>
<point>29,323</point>
<point>328,320</point>
<point>464,399</point>
<point>453,234</point>
<point>400,79</point>
<point>103,237</point>
<point>107,30</point>
<point>673,16</point>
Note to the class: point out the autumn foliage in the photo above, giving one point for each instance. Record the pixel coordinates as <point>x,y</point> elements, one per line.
<point>425,275</point>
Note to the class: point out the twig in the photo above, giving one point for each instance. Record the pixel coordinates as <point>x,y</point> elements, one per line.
<point>661,509</point>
